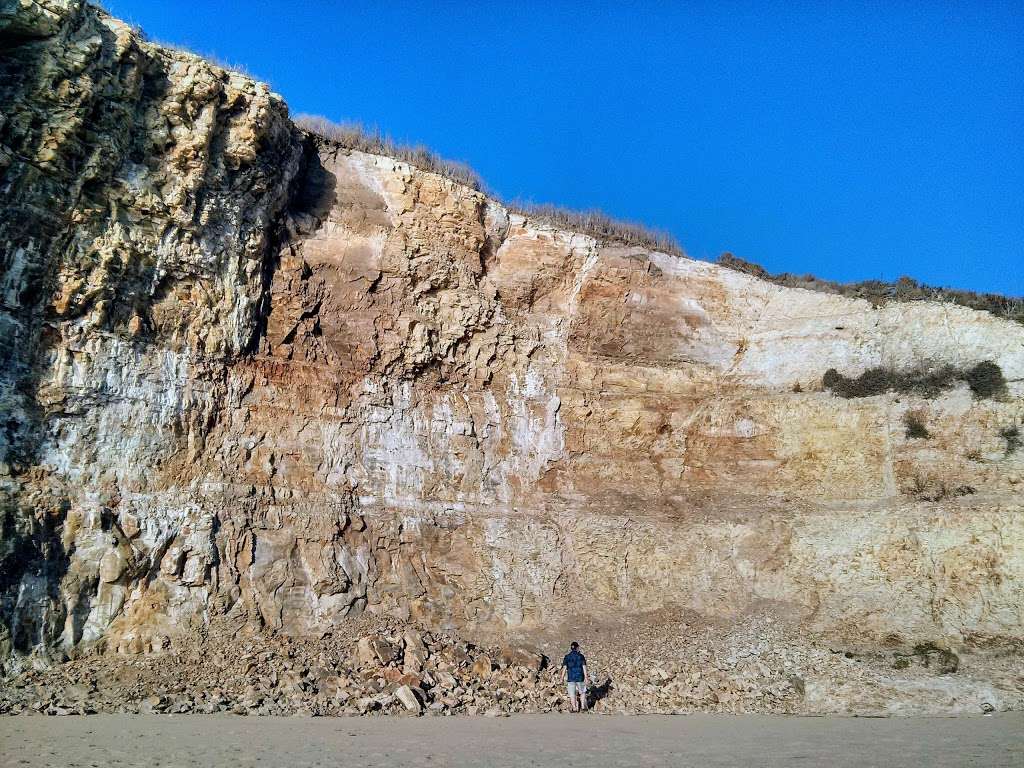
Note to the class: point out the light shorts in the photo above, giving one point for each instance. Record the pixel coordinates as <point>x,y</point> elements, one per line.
<point>574,688</point>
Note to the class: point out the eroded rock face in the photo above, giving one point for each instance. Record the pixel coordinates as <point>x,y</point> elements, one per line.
<point>140,193</point>
<point>253,374</point>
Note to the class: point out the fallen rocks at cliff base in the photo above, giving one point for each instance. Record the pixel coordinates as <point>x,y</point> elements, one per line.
<point>671,668</point>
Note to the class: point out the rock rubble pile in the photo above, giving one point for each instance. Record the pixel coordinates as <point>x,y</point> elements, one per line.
<point>386,667</point>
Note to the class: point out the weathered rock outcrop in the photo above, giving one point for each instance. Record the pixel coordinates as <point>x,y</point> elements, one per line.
<point>252,373</point>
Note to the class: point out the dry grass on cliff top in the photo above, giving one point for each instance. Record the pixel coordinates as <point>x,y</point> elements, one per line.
<point>168,47</point>
<point>601,226</point>
<point>358,137</point>
<point>595,223</point>
<point>879,292</point>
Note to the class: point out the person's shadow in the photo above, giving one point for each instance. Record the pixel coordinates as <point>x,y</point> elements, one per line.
<point>598,692</point>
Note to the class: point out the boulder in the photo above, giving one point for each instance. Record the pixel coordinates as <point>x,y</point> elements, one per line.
<point>153,704</point>
<point>411,680</point>
<point>482,667</point>
<point>447,680</point>
<point>416,652</point>
<point>129,524</point>
<point>374,649</point>
<point>518,656</point>
<point>407,696</point>
<point>112,565</point>
<point>413,640</point>
<point>413,661</point>
<point>367,704</point>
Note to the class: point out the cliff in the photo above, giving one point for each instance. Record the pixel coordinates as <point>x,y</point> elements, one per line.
<point>251,374</point>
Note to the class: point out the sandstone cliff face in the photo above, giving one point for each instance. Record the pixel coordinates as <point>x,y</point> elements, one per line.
<point>248,372</point>
<point>140,191</point>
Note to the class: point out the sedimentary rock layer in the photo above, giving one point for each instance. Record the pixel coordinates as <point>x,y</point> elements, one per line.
<point>251,372</point>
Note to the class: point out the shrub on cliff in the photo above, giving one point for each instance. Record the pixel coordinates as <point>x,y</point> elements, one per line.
<point>1012,437</point>
<point>931,489</point>
<point>985,380</point>
<point>879,292</point>
<point>916,429</point>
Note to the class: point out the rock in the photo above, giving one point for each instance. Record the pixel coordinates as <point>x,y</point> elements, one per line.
<point>413,664</point>
<point>520,657</point>
<point>330,685</point>
<point>413,681</point>
<point>482,667</point>
<point>413,641</point>
<point>367,704</point>
<point>77,692</point>
<point>112,565</point>
<point>374,649</point>
<point>414,659</point>
<point>404,694</point>
<point>129,524</point>
<point>251,697</point>
<point>446,680</point>
<point>457,653</point>
<point>658,676</point>
<point>798,684</point>
<point>153,704</point>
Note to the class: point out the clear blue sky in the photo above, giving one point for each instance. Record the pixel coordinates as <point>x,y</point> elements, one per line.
<point>849,140</point>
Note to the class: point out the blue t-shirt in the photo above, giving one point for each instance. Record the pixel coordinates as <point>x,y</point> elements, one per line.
<point>573,663</point>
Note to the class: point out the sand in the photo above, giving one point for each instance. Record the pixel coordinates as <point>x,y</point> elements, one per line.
<point>110,741</point>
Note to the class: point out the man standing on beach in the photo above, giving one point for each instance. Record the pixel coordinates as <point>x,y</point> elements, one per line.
<point>574,672</point>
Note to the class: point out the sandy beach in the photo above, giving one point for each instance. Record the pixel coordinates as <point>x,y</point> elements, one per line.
<point>591,740</point>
